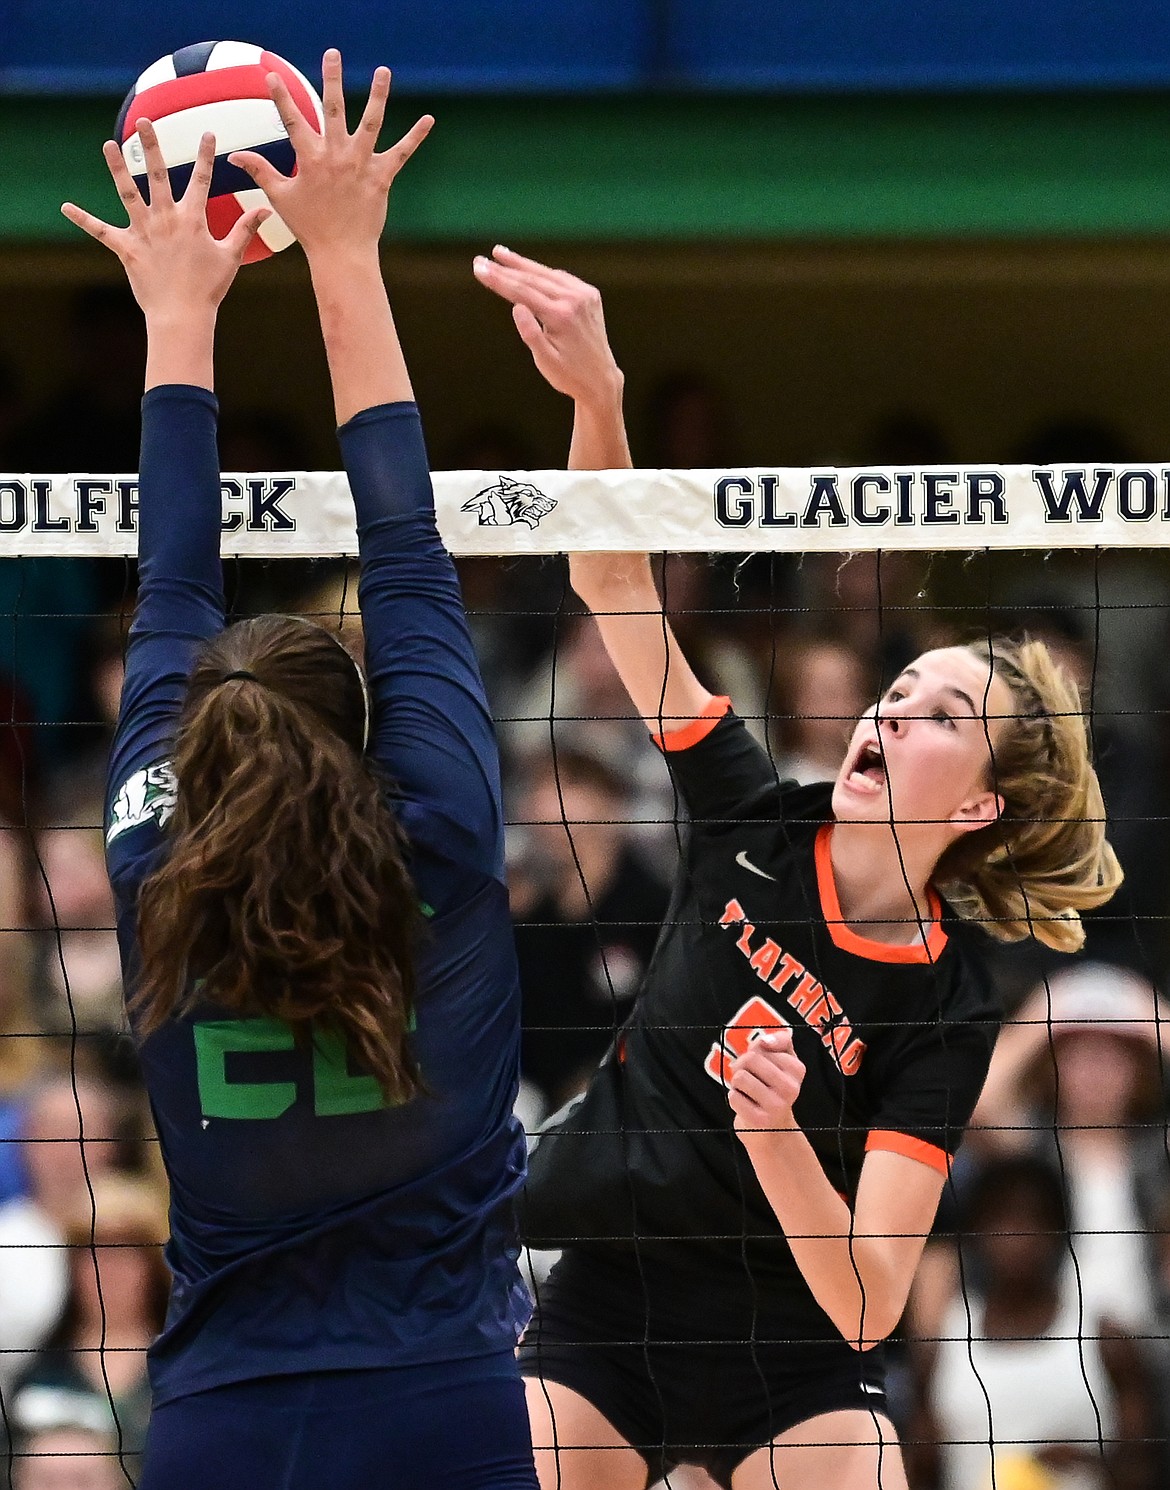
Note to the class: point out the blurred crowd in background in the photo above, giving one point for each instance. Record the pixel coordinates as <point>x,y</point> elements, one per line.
<point>1039,1319</point>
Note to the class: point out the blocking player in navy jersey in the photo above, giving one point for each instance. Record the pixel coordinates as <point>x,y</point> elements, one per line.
<point>312,912</point>
<point>746,1186</point>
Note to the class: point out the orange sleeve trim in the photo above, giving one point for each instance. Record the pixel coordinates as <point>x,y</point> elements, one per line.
<point>910,1148</point>
<point>690,734</point>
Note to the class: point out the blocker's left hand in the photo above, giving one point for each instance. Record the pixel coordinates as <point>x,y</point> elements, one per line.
<point>174,265</point>
<point>765,1082</point>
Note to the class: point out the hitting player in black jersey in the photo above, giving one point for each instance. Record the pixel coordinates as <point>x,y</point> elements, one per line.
<point>744,1190</point>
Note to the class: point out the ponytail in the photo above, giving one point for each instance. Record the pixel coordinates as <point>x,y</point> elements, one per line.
<point>1046,859</point>
<point>284,892</point>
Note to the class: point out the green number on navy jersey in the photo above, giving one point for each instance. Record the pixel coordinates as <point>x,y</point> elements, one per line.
<point>337,1092</point>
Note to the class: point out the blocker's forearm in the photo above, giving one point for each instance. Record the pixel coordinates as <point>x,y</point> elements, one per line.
<point>366,364</point>
<point>180,347</point>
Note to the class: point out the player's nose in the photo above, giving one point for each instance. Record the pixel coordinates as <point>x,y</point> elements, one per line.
<point>891,722</point>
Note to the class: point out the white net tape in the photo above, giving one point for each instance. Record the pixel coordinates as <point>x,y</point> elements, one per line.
<point>310,514</point>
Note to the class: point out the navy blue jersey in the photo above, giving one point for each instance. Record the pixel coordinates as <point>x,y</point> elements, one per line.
<point>312,1226</point>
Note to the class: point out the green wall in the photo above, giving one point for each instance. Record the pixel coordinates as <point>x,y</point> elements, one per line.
<point>702,167</point>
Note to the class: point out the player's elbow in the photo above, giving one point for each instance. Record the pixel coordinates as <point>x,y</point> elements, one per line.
<point>872,1316</point>
<point>869,1327</point>
<point>861,1342</point>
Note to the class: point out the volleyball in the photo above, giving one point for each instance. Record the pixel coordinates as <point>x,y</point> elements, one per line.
<point>221,87</point>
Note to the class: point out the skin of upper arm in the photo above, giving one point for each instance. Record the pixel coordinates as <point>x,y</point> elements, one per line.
<point>897,1199</point>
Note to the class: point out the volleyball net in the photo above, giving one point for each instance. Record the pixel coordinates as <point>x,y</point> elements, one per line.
<point>801,594</point>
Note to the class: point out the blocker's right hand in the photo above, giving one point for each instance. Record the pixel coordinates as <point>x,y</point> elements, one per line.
<point>174,265</point>
<point>561,322</point>
<point>337,199</point>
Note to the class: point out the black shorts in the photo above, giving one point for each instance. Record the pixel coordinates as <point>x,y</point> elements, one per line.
<point>689,1394</point>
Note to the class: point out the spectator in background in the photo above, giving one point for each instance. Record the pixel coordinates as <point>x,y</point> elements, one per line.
<point>874,602</point>
<point>1027,1389</point>
<point>512,606</point>
<point>78,1454</point>
<point>262,440</point>
<point>576,699</point>
<point>47,610</point>
<point>114,1306</point>
<point>20,1051</point>
<point>906,437</point>
<point>79,978</point>
<point>511,603</point>
<point>819,692</point>
<point>92,423</point>
<point>721,637</point>
<point>1158,1345</point>
<point>1076,1078</point>
<point>69,1133</point>
<point>587,912</point>
<point>1074,439</point>
<point>11,410</point>
<point>492,448</point>
<point>687,426</point>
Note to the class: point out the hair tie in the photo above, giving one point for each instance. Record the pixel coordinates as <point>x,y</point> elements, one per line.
<point>239,673</point>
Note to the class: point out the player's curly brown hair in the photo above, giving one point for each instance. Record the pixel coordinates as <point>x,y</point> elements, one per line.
<point>284,890</point>
<point>1046,859</point>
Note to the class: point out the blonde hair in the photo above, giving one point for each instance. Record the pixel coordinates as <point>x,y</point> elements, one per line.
<point>1046,859</point>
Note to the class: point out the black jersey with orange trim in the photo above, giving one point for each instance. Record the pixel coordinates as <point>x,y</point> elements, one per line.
<point>896,1041</point>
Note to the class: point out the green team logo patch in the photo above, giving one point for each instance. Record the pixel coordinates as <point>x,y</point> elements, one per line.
<point>337,1092</point>
<point>147,796</point>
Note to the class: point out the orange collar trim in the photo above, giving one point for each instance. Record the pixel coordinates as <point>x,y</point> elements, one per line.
<point>848,940</point>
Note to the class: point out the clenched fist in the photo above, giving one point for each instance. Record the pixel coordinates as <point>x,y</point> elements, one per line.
<point>765,1082</point>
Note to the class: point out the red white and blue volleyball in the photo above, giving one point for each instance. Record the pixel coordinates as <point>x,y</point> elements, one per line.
<point>221,87</point>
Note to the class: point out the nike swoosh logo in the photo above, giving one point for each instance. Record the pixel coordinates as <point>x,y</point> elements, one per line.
<point>745,863</point>
<point>873,1391</point>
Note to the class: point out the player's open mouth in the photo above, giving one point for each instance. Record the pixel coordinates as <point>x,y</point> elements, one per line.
<point>867,770</point>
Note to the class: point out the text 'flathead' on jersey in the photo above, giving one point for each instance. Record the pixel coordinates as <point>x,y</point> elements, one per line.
<point>788,976</point>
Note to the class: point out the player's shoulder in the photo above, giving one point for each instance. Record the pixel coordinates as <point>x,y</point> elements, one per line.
<point>968,992</point>
<point>810,803</point>
<point>725,772</point>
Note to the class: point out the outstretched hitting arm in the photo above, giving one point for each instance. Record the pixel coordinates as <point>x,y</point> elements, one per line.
<point>179,275</point>
<point>860,1266</point>
<point>431,729</point>
<point>560,320</point>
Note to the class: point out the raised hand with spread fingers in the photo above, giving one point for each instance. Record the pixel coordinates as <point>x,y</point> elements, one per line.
<point>336,207</point>
<point>178,271</point>
<point>337,199</point>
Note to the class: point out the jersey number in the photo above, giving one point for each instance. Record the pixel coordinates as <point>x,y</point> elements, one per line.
<point>751,1020</point>
<point>336,1092</point>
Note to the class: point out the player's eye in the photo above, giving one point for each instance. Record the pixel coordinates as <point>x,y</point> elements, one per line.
<point>940,716</point>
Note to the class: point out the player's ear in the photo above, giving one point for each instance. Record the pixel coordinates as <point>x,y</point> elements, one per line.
<point>977,812</point>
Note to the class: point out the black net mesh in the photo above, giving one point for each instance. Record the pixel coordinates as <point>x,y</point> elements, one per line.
<point>1032,1354</point>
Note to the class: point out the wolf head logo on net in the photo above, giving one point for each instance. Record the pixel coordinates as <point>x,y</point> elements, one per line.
<point>509,502</point>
